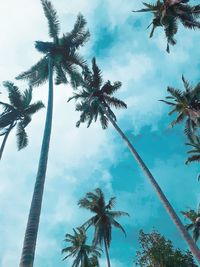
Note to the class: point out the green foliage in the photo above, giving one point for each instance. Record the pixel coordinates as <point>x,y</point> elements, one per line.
<point>63,51</point>
<point>187,105</point>
<point>94,95</point>
<point>168,13</point>
<point>18,112</point>
<point>52,18</point>
<point>194,225</point>
<point>84,255</point>
<point>104,217</point>
<point>195,151</point>
<point>156,251</point>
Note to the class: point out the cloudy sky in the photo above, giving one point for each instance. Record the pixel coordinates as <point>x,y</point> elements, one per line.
<point>83,159</point>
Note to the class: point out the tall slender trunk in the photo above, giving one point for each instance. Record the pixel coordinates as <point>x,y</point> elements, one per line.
<point>193,247</point>
<point>28,251</point>
<point>5,139</point>
<point>106,250</point>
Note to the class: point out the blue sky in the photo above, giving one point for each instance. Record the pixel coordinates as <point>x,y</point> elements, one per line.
<point>83,159</point>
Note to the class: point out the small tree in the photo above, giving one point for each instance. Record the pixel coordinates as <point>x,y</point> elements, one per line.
<point>156,251</point>
<point>103,219</point>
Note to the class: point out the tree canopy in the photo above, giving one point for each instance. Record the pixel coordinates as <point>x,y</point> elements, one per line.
<point>157,251</point>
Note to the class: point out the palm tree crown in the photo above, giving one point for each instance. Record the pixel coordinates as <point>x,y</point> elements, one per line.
<point>94,95</point>
<point>85,255</point>
<point>18,112</point>
<point>194,217</point>
<point>187,105</point>
<point>195,151</point>
<point>104,217</point>
<point>167,13</point>
<point>62,50</point>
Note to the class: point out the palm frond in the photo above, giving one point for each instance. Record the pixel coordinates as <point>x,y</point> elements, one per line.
<point>45,47</point>
<point>97,78</point>
<point>187,86</point>
<point>78,36</point>
<point>35,107</point>
<point>109,88</point>
<point>180,118</point>
<point>194,158</point>
<point>14,94</point>
<point>111,203</point>
<point>60,75</point>
<point>52,18</point>
<point>22,138</point>
<point>25,121</point>
<point>37,74</point>
<point>118,214</point>
<point>75,58</point>
<point>117,225</point>
<point>171,29</point>
<point>103,120</point>
<point>113,101</point>
<point>8,118</point>
<point>167,102</point>
<point>149,7</point>
<point>6,107</point>
<point>27,97</point>
<point>176,93</point>
<point>190,129</point>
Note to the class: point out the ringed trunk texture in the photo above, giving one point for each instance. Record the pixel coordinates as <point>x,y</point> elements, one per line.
<point>186,236</point>
<point>4,140</point>
<point>28,251</point>
<point>106,250</point>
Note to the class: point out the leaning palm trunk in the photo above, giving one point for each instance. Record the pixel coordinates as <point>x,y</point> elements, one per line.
<point>28,252</point>
<point>106,250</point>
<point>4,140</point>
<point>193,247</point>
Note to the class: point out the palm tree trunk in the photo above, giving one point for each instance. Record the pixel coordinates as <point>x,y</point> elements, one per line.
<point>4,140</point>
<point>193,247</point>
<point>28,251</point>
<point>106,250</point>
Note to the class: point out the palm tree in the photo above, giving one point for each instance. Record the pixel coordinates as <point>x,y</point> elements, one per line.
<point>195,151</point>
<point>187,105</point>
<point>103,220</point>
<point>194,217</point>
<point>17,113</point>
<point>60,57</point>
<point>85,255</point>
<point>167,13</point>
<point>96,100</point>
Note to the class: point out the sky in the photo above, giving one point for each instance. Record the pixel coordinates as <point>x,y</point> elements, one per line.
<point>80,160</point>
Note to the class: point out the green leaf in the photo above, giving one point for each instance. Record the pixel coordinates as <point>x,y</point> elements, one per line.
<point>51,15</point>
<point>22,138</point>
<point>14,94</point>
